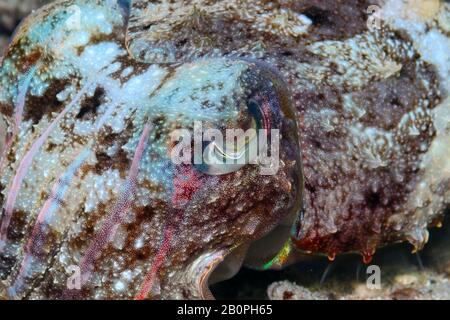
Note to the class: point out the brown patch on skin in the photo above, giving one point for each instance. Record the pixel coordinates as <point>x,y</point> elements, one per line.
<point>153,188</point>
<point>134,231</point>
<point>38,107</point>
<point>334,20</point>
<point>43,196</point>
<point>200,32</point>
<point>17,230</point>
<point>7,109</point>
<point>385,102</point>
<point>18,224</point>
<point>120,160</point>
<point>79,242</point>
<point>90,105</point>
<point>114,36</point>
<point>125,62</point>
<point>159,126</point>
<point>11,156</point>
<point>23,59</point>
<point>109,138</point>
<point>50,147</point>
<point>6,266</point>
<point>48,286</point>
<point>30,60</point>
<point>84,170</point>
<point>347,202</point>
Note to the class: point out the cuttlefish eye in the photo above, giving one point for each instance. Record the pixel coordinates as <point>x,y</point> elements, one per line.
<point>222,156</point>
<point>264,101</point>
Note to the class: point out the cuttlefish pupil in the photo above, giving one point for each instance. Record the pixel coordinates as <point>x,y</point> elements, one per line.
<point>239,150</point>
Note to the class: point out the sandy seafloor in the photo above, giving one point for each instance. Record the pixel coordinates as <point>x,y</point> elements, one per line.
<point>403,275</point>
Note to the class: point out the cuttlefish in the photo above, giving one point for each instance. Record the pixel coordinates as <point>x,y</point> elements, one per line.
<point>351,96</point>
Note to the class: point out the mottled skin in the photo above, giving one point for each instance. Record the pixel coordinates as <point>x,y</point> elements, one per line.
<point>365,113</point>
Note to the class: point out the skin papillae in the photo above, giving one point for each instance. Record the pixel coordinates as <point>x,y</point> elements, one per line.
<point>91,91</point>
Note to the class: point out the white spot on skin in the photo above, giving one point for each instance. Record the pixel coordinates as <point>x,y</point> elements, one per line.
<point>119,286</point>
<point>98,188</point>
<point>139,243</point>
<point>96,57</point>
<point>127,71</point>
<point>119,238</point>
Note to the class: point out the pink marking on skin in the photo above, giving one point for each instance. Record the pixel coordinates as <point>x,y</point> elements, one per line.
<point>18,113</point>
<point>159,260</point>
<point>186,183</point>
<point>25,165</point>
<point>23,89</point>
<point>121,208</point>
<point>35,242</point>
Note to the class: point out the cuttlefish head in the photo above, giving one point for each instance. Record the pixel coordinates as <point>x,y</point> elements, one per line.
<point>235,171</point>
<point>234,147</point>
